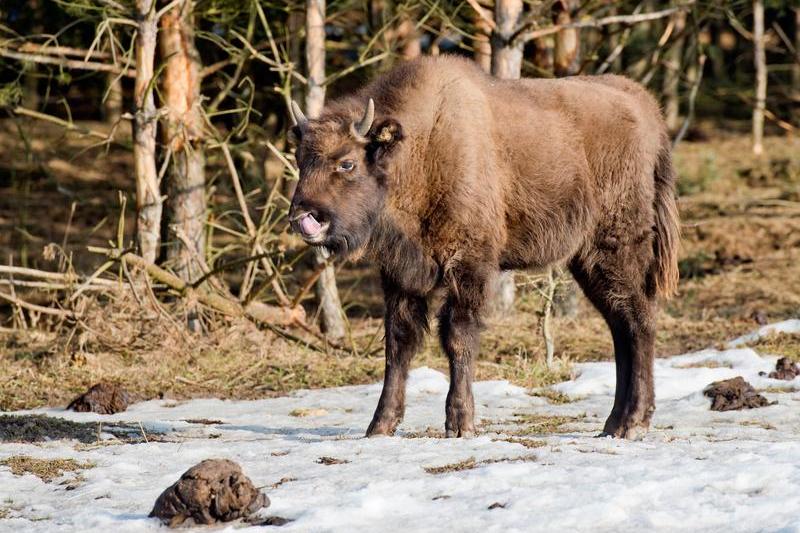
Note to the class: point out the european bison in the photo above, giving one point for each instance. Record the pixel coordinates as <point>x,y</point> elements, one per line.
<point>445,176</point>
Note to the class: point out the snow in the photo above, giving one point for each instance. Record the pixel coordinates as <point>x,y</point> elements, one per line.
<point>696,470</point>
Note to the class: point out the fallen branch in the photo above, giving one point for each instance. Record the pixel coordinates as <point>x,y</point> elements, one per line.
<point>256,311</point>
<point>67,63</point>
<point>38,308</point>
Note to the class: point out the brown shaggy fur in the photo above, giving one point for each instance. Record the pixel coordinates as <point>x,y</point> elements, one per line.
<point>463,175</point>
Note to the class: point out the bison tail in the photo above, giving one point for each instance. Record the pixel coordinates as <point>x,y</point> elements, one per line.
<point>667,225</point>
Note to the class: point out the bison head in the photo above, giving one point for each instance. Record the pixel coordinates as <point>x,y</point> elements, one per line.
<point>341,158</point>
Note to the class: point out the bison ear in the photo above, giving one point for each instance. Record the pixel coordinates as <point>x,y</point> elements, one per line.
<point>384,138</point>
<point>295,135</point>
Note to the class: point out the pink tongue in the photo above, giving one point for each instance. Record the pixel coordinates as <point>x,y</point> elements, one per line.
<point>309,225</point>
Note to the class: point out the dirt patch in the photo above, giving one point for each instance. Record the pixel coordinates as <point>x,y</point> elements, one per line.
<point>45,469</point>
<point>270,521</point>
<point>553,396</point>
<point>469,464</point>
<point>325,460</point>
<point>734,394</point>
<point>785,369</point>
<point>528,443</point>
<point>212,491</point>
<point>204,421</point>
<point>103,398</point>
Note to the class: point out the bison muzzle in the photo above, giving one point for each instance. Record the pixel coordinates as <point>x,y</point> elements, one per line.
<point>444,176</point>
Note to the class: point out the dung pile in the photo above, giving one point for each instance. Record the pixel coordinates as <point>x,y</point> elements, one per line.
<point>785,369</point>
<point>103,398</point>
<point>733,394</point>
<point>212,491</point>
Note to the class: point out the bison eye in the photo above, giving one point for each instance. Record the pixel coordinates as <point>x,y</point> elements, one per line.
<point>345,166</point>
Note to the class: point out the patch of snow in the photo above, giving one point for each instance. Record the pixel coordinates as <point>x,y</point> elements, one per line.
<point>696,470</point>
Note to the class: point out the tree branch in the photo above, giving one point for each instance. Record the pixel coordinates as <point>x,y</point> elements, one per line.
<point>522,34</point>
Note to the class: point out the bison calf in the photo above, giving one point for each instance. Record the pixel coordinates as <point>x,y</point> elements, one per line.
<point>445,176</point>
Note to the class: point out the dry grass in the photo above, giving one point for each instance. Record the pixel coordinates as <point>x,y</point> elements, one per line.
<point>45,469</point>
<point>469,464</point>
<point>783,344</point>
<point>740,265</point>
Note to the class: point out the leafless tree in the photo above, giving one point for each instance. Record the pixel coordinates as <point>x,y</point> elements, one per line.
<point>672,72</point>
<point>760,59</point>
<point>148,197</point>
<point>506,64</point>
<point>327,292</point>
<point>183,136</point>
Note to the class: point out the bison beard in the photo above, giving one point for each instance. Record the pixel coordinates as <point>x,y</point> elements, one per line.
<point>443,176</point>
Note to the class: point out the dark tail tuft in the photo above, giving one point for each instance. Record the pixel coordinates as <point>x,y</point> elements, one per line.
<point>667,227</point>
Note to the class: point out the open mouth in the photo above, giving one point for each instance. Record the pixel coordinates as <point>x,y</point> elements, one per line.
<point>310,229</point>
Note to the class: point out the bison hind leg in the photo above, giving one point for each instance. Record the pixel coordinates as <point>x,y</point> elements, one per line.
<point>614,280</point>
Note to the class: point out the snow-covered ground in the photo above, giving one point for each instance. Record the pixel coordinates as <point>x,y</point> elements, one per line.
<point>697,470</point>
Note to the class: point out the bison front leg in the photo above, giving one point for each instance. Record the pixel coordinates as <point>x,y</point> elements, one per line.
<point>460,326</point>
<point>406,322</point>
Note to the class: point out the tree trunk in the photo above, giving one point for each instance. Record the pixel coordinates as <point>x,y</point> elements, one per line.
<point>506,55</point>
<point>482,48</point>
<point>672,74</point>
<point>148,197</point>
<point>761,77</point>
<point>184,132</point>
<point>795,90</point>
<point>407,34</point>
<point>112,105</point>
<point>327,292</point>
<point>506,64</point>
<point>567,47</point>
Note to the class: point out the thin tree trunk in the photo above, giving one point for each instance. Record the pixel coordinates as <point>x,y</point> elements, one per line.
<point>148,197</point>
<point>543,55</point>
<point>482,48</point>
<point>567,47</point>
<point>672,74</point>
<point>407,34</point>
<point>112,105</point>
<point>760,59</point>
<point>506,55</point>
<point>295,25</point>
<point>506,64</point>
<point>184,134</point>
<point>795,90</point>
<point>327,292</point>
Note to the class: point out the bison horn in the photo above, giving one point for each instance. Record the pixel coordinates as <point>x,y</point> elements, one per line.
<point>298,117</point>
<point>362,128</point>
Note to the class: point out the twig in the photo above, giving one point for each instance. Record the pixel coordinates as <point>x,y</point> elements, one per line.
<point>482,13</point>
<point>68,125</point>
<point>257,311</point>
<point>251,227</point>
<point>701,61</point>
<point>523,35</point>
<point>67,63</point>
<point>38,308</point>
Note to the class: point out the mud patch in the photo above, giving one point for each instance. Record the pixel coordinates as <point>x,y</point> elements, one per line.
<point>734,394</point>
<point>215,490</point>
<point>785,369</point>
<point>41,428</point>
<point>102,398</point>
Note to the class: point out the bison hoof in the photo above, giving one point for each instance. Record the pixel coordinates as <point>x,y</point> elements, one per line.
<point>380,428</point>
<point>629,431</point>
<point>460,433</point>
